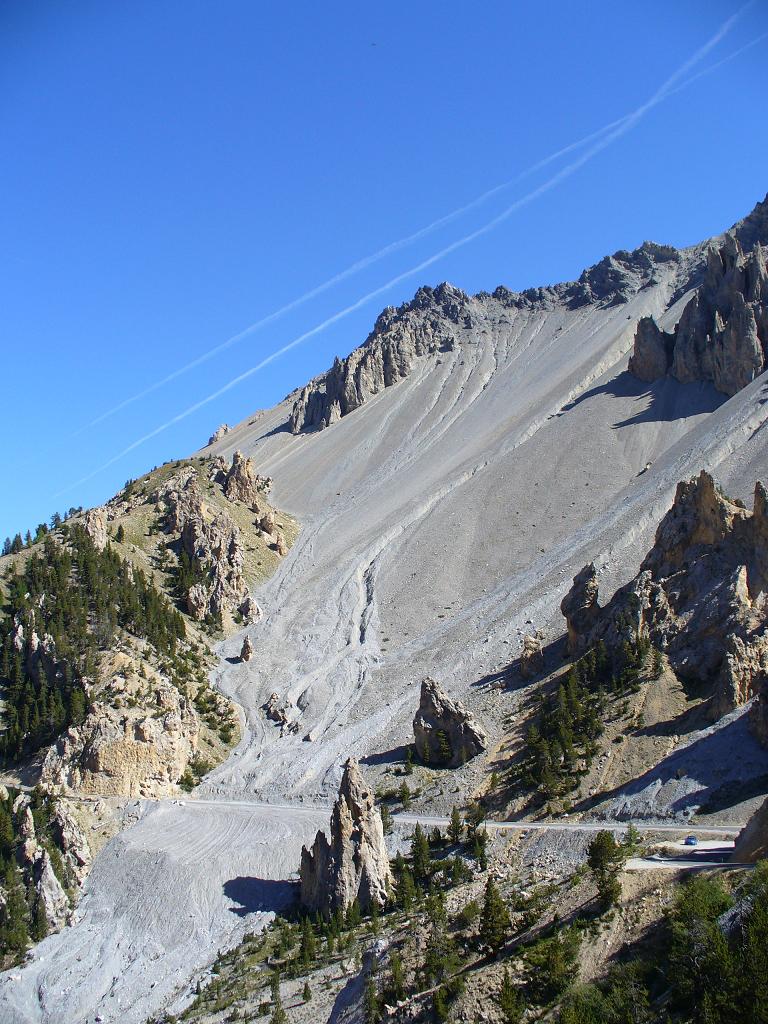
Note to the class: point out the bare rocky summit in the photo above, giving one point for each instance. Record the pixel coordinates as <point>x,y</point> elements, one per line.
<point>435,320</point>
<point>353,864</point>
<point>700,595</point>
<point>445,732</point>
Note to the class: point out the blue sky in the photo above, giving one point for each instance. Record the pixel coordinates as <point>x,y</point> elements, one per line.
<point>174,172</point>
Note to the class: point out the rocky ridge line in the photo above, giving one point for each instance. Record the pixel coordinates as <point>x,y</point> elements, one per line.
<point>434,319</point>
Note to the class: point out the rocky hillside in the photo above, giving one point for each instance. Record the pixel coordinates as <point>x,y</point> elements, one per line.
<point>699,596</point>
<point>475,453</point>
<point>105,644</point>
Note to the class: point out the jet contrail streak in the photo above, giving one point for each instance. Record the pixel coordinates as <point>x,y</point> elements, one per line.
<point>393,247</point>
<point>624,125</point>
<point>352,269</point>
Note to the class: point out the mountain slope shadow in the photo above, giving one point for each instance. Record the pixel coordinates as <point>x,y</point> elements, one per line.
<point>690,777</point>
<point>256,895</point>
<point>666,399</point>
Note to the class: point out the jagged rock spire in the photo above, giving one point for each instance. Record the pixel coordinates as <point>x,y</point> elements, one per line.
<point>353,864</point>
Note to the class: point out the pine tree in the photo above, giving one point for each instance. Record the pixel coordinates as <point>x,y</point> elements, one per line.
<point>39,921</point>
<point>604,858</point>
<point>306,993</point>
<point>510,1001</point>
<point>406,890</point>
<point>371,1007</point>
<point>421,862</point>
<point>397,975</point>
<point>440,1005</point>
<point>494,918</point>
<point>444,750</point>
<point>279,1015</point>
<point>409,761</point>
<point>353,914</point>
<point>386,819</point>
<point>455,827</point>
<point>308,946</point>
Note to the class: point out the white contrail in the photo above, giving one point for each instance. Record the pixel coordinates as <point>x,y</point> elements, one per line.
<point>391,248</point>
<point>352,269</point>
<point>623,126</point>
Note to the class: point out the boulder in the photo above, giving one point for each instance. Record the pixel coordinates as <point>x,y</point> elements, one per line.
<point>353,864</point>
<point>246,651</point>
<point>445,732</point>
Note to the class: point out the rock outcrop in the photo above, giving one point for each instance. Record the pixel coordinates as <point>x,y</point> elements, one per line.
<point>242,482</point>
<point>37,866</point>
<point>653,349</point>
<point>353,864</point>
<point>246,651</point>
<point>218,433</point>
<point>129,752</point>
<point>531,657</point>
<point>213,544</point>
<point>700,595</point>
<point>95,525</point>
<point>424,325</point>
<point>752,842</point>
<point>758,715</point>
<point>722,334</point>
<point>445,732</point>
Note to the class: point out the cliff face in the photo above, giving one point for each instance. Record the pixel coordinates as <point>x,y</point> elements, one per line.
<point>700,595</point>
<point>722,334</point>
<point>132,750</point>
<point>353,864</point>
